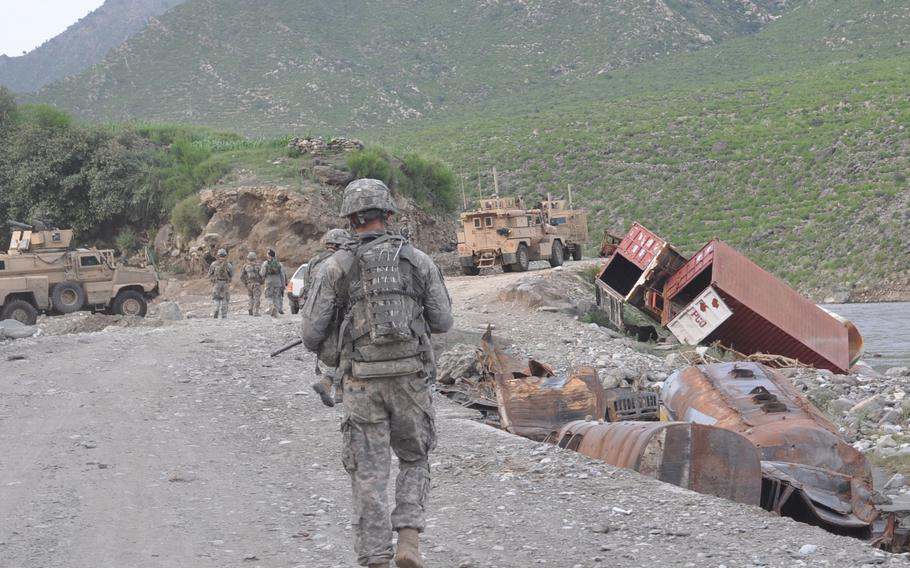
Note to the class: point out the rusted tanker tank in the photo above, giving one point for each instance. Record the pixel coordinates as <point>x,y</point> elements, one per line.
<point>809,471</point>
<point>702,458</point>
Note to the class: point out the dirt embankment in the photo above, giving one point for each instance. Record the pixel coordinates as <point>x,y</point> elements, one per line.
<point>292,222</point>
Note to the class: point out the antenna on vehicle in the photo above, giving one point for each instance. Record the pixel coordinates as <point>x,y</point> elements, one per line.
<point>464,198</point>
<point>495,182</point>
<point>570,196</point>
<point>479,187</point>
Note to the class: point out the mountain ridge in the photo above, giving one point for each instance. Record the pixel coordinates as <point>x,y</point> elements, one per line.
<point>81,45</point>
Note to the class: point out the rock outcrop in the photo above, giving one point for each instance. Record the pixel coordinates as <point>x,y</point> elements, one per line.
<point>292,222</point>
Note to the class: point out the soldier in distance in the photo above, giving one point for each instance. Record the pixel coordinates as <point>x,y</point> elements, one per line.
<point>333,240</point>
<point>251,277</point>
<point>370,311</point>
<point>275,280</point>
<point>221,272</point>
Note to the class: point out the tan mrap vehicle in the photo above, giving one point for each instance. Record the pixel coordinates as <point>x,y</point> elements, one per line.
<point>502,232</point>
<point>40,274</point>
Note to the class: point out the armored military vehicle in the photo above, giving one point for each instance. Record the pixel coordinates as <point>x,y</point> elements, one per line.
<point>503,232</point>
<point>41,273</point>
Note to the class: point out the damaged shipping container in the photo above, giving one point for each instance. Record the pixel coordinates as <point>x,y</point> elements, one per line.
<point>720,295</point>
<point>635,274</point>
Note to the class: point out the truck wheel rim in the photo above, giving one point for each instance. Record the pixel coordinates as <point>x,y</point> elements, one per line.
<point>68,297</point>
<point>20,315</point>
<point>132,307</point>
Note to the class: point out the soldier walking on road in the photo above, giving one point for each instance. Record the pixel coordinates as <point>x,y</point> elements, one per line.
<point>275,281</point>
<point>371,310</point>
<point>333,240</point>
<point>221,271</point>
<point>252,279</point>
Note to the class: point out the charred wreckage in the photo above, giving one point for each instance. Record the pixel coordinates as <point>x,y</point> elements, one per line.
<point>739,430</point>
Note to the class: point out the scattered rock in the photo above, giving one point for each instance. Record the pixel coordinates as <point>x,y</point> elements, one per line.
<point>808,549</point>
<point>15,329</point>
<point>898,372</point>
<point>169,311</point>
<point>896,482</point>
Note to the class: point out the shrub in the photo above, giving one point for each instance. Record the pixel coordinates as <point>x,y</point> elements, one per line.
<point>371,163</point>
<point>429,182</point>
<point>189,217</point>
<point>128,241</point>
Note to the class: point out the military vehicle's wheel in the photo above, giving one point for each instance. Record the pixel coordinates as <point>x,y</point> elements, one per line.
<point>21,311</point>
<point>522,259</point>
<point>295,306</point>
<point>67,297</point>
<point>470,270</point>
<point>557,255</point>
<point>576,252</point>
<point>130,303</point>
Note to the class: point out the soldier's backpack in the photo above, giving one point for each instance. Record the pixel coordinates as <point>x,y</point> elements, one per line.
<point>272,266</point>
<point>383,325</point>
<point>221,270</point>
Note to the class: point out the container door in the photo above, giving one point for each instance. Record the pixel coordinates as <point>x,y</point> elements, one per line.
<point>700,318</point>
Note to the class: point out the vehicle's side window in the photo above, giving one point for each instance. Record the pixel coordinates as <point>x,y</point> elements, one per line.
<point>89,261</point>
<point>476,222</point>
<point>2,265</point>
<point>489,221</point>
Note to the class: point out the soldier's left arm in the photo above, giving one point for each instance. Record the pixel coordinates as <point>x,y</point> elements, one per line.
<point>319,310</point>
<point>437,304</point>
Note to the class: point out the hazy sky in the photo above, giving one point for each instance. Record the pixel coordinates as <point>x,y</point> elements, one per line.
<point>26,24</point>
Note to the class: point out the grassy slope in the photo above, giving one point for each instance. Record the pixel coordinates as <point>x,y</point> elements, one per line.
<point>320,66</point>
<point>792,144</point>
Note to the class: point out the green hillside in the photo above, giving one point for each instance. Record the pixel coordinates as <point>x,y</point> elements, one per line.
<point>320,66</point>
<point>792,144</point>
<point>82,44</point>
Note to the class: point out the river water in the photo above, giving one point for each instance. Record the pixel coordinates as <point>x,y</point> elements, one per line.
<point>885,329</point>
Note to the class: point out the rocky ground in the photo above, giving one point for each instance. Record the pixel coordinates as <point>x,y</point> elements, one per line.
<point>181,443</point>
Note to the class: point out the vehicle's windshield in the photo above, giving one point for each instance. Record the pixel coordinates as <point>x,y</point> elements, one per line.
<point>301,273</point>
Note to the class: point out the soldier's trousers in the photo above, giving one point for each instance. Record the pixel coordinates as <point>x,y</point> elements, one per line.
<point>380,414</point>
<point>221,293</point>
<point>255,293</point>
<point>274,294</point>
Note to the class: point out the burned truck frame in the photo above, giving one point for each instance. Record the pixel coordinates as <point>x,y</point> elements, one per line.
<point>503,232</point>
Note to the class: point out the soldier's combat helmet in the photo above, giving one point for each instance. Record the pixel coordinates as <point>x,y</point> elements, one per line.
<point>221,253</point>
<point>336,238</point>
<point>366,195</point>
<point>251,256</point>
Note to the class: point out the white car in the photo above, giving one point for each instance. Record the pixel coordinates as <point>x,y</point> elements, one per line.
<point>295,288</point>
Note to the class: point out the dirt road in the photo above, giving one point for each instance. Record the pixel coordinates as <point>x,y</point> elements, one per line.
<point>184,445</point>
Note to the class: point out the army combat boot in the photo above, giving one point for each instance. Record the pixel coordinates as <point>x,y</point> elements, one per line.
<point>323,388</point>
<point>407,555</point>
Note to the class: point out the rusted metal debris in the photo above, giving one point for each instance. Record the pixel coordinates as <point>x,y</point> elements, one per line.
<point>625,404</point>
<point>609,244</point>
<point>635,274</point>
<point>809,471</point>
<point>698,457</point>
<point>533,402</point>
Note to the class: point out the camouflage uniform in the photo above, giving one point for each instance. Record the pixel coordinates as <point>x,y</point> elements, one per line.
<point>382,411</point>
<point>220,273</point>
<point>252,279</point>
<point>333,240</point>
<point>274,286</point>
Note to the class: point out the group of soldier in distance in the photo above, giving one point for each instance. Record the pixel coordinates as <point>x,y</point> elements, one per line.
<point>254,276</point>
<point>370,302</point>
